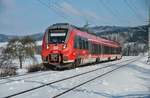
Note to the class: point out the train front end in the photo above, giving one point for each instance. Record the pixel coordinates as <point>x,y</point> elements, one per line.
<point>57,46</point>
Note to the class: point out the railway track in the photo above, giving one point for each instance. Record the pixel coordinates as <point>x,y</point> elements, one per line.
<point>67,78</point>
<point>35,74</point>
<point>99,76</point>
<point>14,76</point>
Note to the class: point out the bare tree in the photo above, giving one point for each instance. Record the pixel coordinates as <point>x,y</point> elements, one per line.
<point>19,49</point>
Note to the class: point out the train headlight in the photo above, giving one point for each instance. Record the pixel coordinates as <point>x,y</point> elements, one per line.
<point>64,46</point>
<point>47,47</point>
<point>74,53</point>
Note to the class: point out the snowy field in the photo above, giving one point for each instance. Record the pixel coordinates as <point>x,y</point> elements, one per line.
<point>132,81</point>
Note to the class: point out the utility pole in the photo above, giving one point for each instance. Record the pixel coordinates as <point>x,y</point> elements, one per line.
<point>148,61</point>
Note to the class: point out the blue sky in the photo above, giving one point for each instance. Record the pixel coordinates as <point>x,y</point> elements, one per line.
<point>22,17</point>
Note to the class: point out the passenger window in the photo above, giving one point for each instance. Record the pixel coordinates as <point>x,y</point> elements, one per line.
<point>77,42</point>
<point>80,43</point>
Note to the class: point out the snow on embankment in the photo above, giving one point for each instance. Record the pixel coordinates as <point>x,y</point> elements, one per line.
<point>3,44</point>
<point>132,81</point>
<point>39,43</point>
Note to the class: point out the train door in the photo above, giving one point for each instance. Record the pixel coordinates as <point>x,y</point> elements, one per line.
<point>102,52</point>
<point>90,49</point>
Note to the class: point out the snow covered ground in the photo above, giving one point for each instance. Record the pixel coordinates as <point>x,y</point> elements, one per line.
<point>132,81</point>
<point>39,43</point>
<point>3,44</point>
<point>29,61</point>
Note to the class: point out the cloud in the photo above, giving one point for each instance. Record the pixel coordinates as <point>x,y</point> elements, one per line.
<point>69,9</point>
<point>72,11</point>
<point>91,15</point>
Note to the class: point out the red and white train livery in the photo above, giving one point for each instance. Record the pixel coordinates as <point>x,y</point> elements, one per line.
<point>65,45</point>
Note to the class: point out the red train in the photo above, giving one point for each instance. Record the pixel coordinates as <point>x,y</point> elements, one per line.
<point>65,45</point>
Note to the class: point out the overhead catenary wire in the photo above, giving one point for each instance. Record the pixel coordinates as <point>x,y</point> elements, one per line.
<point>84,16</point>
<point>115,16</point>
<point>59,8</point>
<point>116,12</point>
<point>135,13</point>
<point>113,12</point>
<point>54,10</point>
<point>63,15</point>
<point>138,16</point>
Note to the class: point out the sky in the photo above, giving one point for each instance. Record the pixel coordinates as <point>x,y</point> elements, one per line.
<point>25,17</point>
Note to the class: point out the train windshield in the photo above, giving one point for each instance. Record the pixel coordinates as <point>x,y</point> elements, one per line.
<point>57,36</point>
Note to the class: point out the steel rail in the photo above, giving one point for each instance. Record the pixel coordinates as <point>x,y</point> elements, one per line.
<point>47,84</point>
